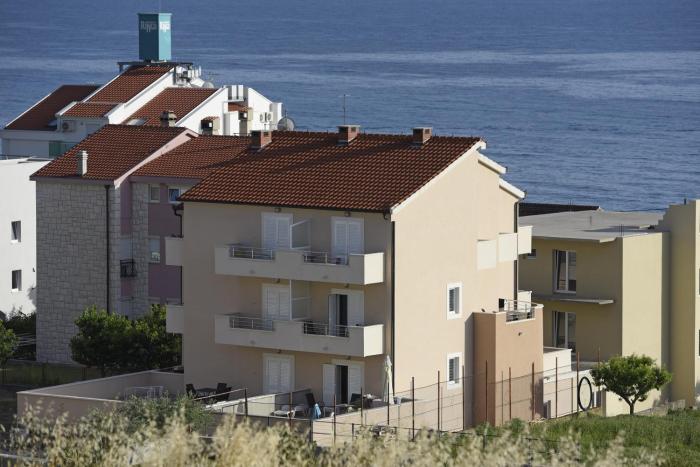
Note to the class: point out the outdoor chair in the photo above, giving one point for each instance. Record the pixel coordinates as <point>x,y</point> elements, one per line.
<point>222,392</point>
<point>190,390</point>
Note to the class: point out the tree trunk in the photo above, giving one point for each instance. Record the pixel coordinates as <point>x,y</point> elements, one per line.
<point>631,404</point>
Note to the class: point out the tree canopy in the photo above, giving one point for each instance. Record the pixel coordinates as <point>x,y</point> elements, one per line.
<point>631,377</point>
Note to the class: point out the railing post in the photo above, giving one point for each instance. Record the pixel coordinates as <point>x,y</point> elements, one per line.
<point>245,399</point>
<point>556,387</point>
<point>413,408</point>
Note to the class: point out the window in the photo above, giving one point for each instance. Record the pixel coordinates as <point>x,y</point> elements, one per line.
<point>154,249</point>
<point>16,227</point>
<point>278,373</point>
<point>347,237</point>
<point>565,271</point>
<point>532,254</point>
<point>16,280</point>
<point>136,121</point>
<point>564,330</point>
<point>174,194</point>
<point>454,300</point>
<point>276,231</point>
<point>154,193</point>
<point>454,369</point>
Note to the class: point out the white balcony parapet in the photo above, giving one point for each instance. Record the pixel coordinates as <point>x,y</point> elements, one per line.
<point>239,260</point>
<point>175,318</point>
<point>173,251</point>
<point>524,239</point>
<point>298,335</point>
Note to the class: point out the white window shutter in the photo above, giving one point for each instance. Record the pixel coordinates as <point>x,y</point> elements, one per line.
<point>340,238</point>
<point>284,303</point>
<point>269,231</point>
<point>355,237</point>
<point>284,239</point>
<point>328,384</point>
<point>354,380</point>
<point>356,309</point>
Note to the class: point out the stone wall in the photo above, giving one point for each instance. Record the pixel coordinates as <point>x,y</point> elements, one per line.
<point>139,244</point>
<point>71,256</point>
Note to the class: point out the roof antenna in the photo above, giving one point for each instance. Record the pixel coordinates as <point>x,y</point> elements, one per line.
<point>345,96</point>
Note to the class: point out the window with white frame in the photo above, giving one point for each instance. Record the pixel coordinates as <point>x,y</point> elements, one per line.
<point>154,249</point>
<point>154,193</point>
<point>454,369</point>
<point>16,227</point>
<point>564,271</point>
<point>16,280</point>
<point>454,300</point>
<point>174,193</point>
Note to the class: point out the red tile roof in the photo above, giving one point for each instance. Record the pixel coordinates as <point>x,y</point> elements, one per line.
<point>373,173</point>
<point>196,158</point>
<point>128,84</point>
<point>237,107</point>
<point>180,100</point>
<point>90,109</point>
<point>112,151</point>
<point>43,112</point>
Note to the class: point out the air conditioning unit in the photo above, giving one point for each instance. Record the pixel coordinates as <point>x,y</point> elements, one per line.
<point>268,116</point>
<point>68,125</point>
<point>262,116</point>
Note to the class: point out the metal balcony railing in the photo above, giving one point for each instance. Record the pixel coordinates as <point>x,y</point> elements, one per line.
<point>516,310</point>
<point>127,268</point>
<point>323,257</point>
<point>249,252</point>
<point>238,321</point>
<point>325,329</point>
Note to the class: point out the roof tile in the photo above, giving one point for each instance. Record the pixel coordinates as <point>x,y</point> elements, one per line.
<point>90,109</point>
<point>128,84</point>
<point>43,112</point>
<point>180,100</point>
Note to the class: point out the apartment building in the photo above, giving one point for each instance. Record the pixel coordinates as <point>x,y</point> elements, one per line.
<point>17,235</point>
<point>617,283</point>
<point>308,258</point>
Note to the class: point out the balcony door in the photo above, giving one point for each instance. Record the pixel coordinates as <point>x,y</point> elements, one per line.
<point>347,237</point>
<point>346,308</point>
<point>341,380</point>
<point>564,330</point>
<point>276,300</point>
<point>278,373</point>
<point>276,231</point>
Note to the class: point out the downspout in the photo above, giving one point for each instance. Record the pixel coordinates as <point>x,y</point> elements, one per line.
<point>393,302</point>
<point>107,237</point>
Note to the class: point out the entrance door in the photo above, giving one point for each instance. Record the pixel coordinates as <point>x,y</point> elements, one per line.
<point>276,301</point>
<point>348,237</point>
<point>278,374</point>
<point>276,231</point>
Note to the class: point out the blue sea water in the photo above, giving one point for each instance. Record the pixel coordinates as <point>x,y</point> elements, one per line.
<point>585,101</point>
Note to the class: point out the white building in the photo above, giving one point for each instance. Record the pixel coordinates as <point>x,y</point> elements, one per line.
<point>18,235</point>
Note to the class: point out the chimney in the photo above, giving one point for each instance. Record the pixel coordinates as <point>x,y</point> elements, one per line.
<point>421,135</point>
<point>260,138</point>
<point>168,118</point>
<point>347,133</point>
<point>82,162</point>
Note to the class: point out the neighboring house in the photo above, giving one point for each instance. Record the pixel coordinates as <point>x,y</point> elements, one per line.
<point>17,235</point>
<point>617,283</point>
<point>308,258</point>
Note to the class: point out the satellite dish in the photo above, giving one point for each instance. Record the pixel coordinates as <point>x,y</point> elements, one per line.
<point>208,84</point>
<point>286,124</point>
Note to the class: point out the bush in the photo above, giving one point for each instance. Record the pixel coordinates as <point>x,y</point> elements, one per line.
<point>140,413</point>
<point>8,344</point>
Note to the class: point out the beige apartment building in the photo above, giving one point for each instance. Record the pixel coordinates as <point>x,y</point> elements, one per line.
<point>308,258</point>
<point>617,283</point>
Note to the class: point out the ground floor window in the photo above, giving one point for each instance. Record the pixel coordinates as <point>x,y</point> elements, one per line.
<point>564,330</point>
<point>454,369</point>
<point>16,280</point>
<point>278,374</point>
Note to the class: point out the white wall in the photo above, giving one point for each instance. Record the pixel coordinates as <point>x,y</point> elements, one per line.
<point>19,204</point>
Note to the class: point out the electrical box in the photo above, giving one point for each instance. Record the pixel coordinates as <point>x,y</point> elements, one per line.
<point>154,37</point>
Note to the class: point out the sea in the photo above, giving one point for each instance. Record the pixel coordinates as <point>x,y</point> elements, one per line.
<point>584,101</point>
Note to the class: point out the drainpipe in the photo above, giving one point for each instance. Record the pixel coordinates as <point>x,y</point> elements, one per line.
<point>177,210</point>
<point>107,237</point>
<point>393,302</point>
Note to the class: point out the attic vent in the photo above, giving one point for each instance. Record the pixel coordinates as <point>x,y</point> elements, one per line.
<point>347,133</point>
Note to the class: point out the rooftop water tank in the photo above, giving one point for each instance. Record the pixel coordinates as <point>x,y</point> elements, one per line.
<point>154,37</point>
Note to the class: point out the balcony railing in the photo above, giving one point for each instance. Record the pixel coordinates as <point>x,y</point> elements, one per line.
<point>517,310</point>
<point>323,257</point>
<point>237,321</point>
<point>249,252</point>
<point>325,329</point>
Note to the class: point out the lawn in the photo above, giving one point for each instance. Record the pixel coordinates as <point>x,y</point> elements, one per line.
<point>675,436</point>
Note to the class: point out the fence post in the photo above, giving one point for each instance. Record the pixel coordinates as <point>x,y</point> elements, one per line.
<point>486,393</point>
<point>572,394</point>
<point>532,390</point>
<point>245,403</point>
<point>362,405</point>
<point>352,431</point>
<point>438,403</point>
<point>291,410</point>
<point>577,380</point>
<point>311,430</point>
<point>335,409</point>
<point>464,400</point>
<point>556,387</point>
<point>413,408</point>
<point>502,403</point>
<point>388,402</point>
<point>510,396</point>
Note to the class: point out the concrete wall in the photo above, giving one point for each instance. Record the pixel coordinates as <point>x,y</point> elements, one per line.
<point>436,244</point>
<point>19,204</point>
<point>71,258</point>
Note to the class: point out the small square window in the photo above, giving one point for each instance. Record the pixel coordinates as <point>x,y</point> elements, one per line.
<point>532,254</point>
<point>16,280</point>
<point>454,369</point>
<point>16,231</point>
<point>454,300</point>
<point>174,194</point>
<point>154,250</point>
<point>154,193</point>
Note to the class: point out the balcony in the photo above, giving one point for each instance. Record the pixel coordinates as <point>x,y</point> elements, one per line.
<point>300,336</point>
<point>175,318</point>
<point>517,310</point>
<point>303,265</point>
<point>173,251</point>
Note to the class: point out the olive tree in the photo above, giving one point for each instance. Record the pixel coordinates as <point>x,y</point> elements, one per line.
<point>631,377</point>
